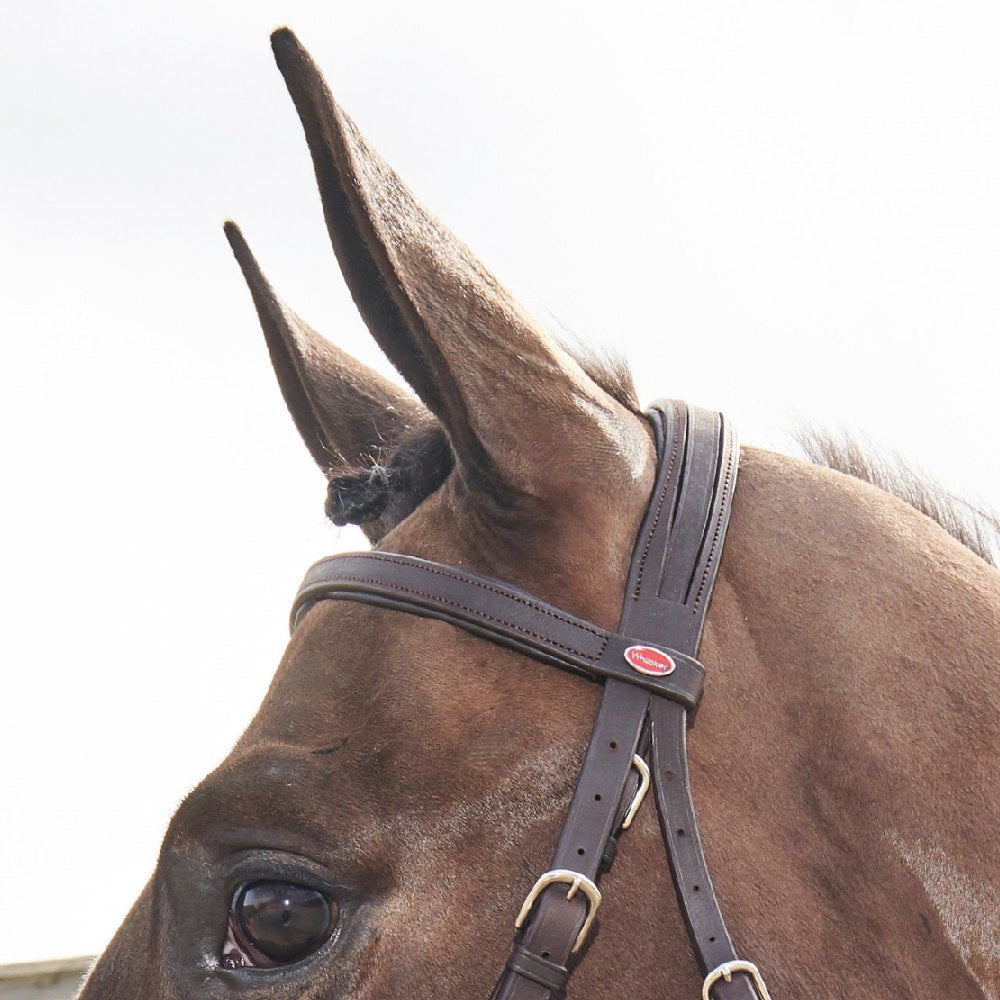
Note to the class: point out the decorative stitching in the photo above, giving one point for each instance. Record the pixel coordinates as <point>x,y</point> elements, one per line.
<point>462,578</point>
<point>726,484</point>
<point>331,587</point>
<point>659,506</point>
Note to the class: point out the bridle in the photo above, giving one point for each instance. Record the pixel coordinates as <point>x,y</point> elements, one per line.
<point>652,686</point>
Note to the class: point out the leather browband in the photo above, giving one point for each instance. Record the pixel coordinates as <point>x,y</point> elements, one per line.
<point>494,610</point>
<point>652,685</point>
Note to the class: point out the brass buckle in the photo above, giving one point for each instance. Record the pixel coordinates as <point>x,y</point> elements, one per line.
<point>575,881</point>
<point>640,793</point>
<point>726,970</point>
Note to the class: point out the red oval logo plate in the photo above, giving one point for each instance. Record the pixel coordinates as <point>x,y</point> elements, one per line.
<point>648,660</point>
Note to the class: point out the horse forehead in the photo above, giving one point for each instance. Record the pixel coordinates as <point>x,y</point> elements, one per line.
<point>336,795</point>
<point>361,679</point>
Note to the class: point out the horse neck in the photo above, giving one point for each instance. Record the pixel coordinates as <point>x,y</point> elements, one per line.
<point>848,727</point>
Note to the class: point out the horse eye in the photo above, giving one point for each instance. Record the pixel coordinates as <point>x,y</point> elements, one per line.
<point>275,923</point>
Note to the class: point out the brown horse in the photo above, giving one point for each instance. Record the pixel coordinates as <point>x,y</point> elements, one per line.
<point>404,782</point>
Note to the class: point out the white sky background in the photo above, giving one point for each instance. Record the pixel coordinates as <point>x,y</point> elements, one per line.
<point>781,209</point>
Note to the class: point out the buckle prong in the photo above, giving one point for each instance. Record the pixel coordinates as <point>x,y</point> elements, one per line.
<point>575,881</point>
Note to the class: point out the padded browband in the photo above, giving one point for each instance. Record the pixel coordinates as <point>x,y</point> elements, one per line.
<point>497,611</point>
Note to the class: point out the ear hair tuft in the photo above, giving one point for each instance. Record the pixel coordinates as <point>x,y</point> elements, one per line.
<point>392,486</point>
<point>358,497</point>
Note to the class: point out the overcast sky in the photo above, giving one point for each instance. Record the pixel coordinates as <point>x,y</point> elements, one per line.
<point>783,209</point>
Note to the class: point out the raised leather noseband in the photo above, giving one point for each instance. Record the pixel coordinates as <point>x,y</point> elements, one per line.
<point>652,685</point>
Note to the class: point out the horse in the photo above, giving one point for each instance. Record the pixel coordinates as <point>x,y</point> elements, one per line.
<point>403,781</point>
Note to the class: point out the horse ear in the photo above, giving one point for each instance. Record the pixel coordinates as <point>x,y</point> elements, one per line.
<point>519,411</point>
<point>355,423</point>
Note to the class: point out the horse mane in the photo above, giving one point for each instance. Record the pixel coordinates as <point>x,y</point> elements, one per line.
<point>609,370</point>
<point>977,529</point>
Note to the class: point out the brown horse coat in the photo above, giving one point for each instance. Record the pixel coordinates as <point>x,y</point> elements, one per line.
<point>844,760</point>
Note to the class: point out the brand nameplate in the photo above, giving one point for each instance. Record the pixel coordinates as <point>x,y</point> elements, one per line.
<point>649,660</point>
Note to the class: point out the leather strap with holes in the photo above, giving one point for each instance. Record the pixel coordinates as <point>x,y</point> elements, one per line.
<point>652,685</point>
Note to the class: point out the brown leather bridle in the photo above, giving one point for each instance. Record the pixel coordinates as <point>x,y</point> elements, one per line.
<point>652,687</point>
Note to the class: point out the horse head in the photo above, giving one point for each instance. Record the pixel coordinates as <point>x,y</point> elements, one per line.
<point>403,782</point>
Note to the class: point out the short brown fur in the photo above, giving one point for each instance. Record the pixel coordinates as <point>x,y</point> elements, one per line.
<point>851,649</point>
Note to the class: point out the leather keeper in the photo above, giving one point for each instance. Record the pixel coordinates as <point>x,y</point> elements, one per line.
<point>684,683</point>
<point>539,970</point>
<point>608,855</point>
